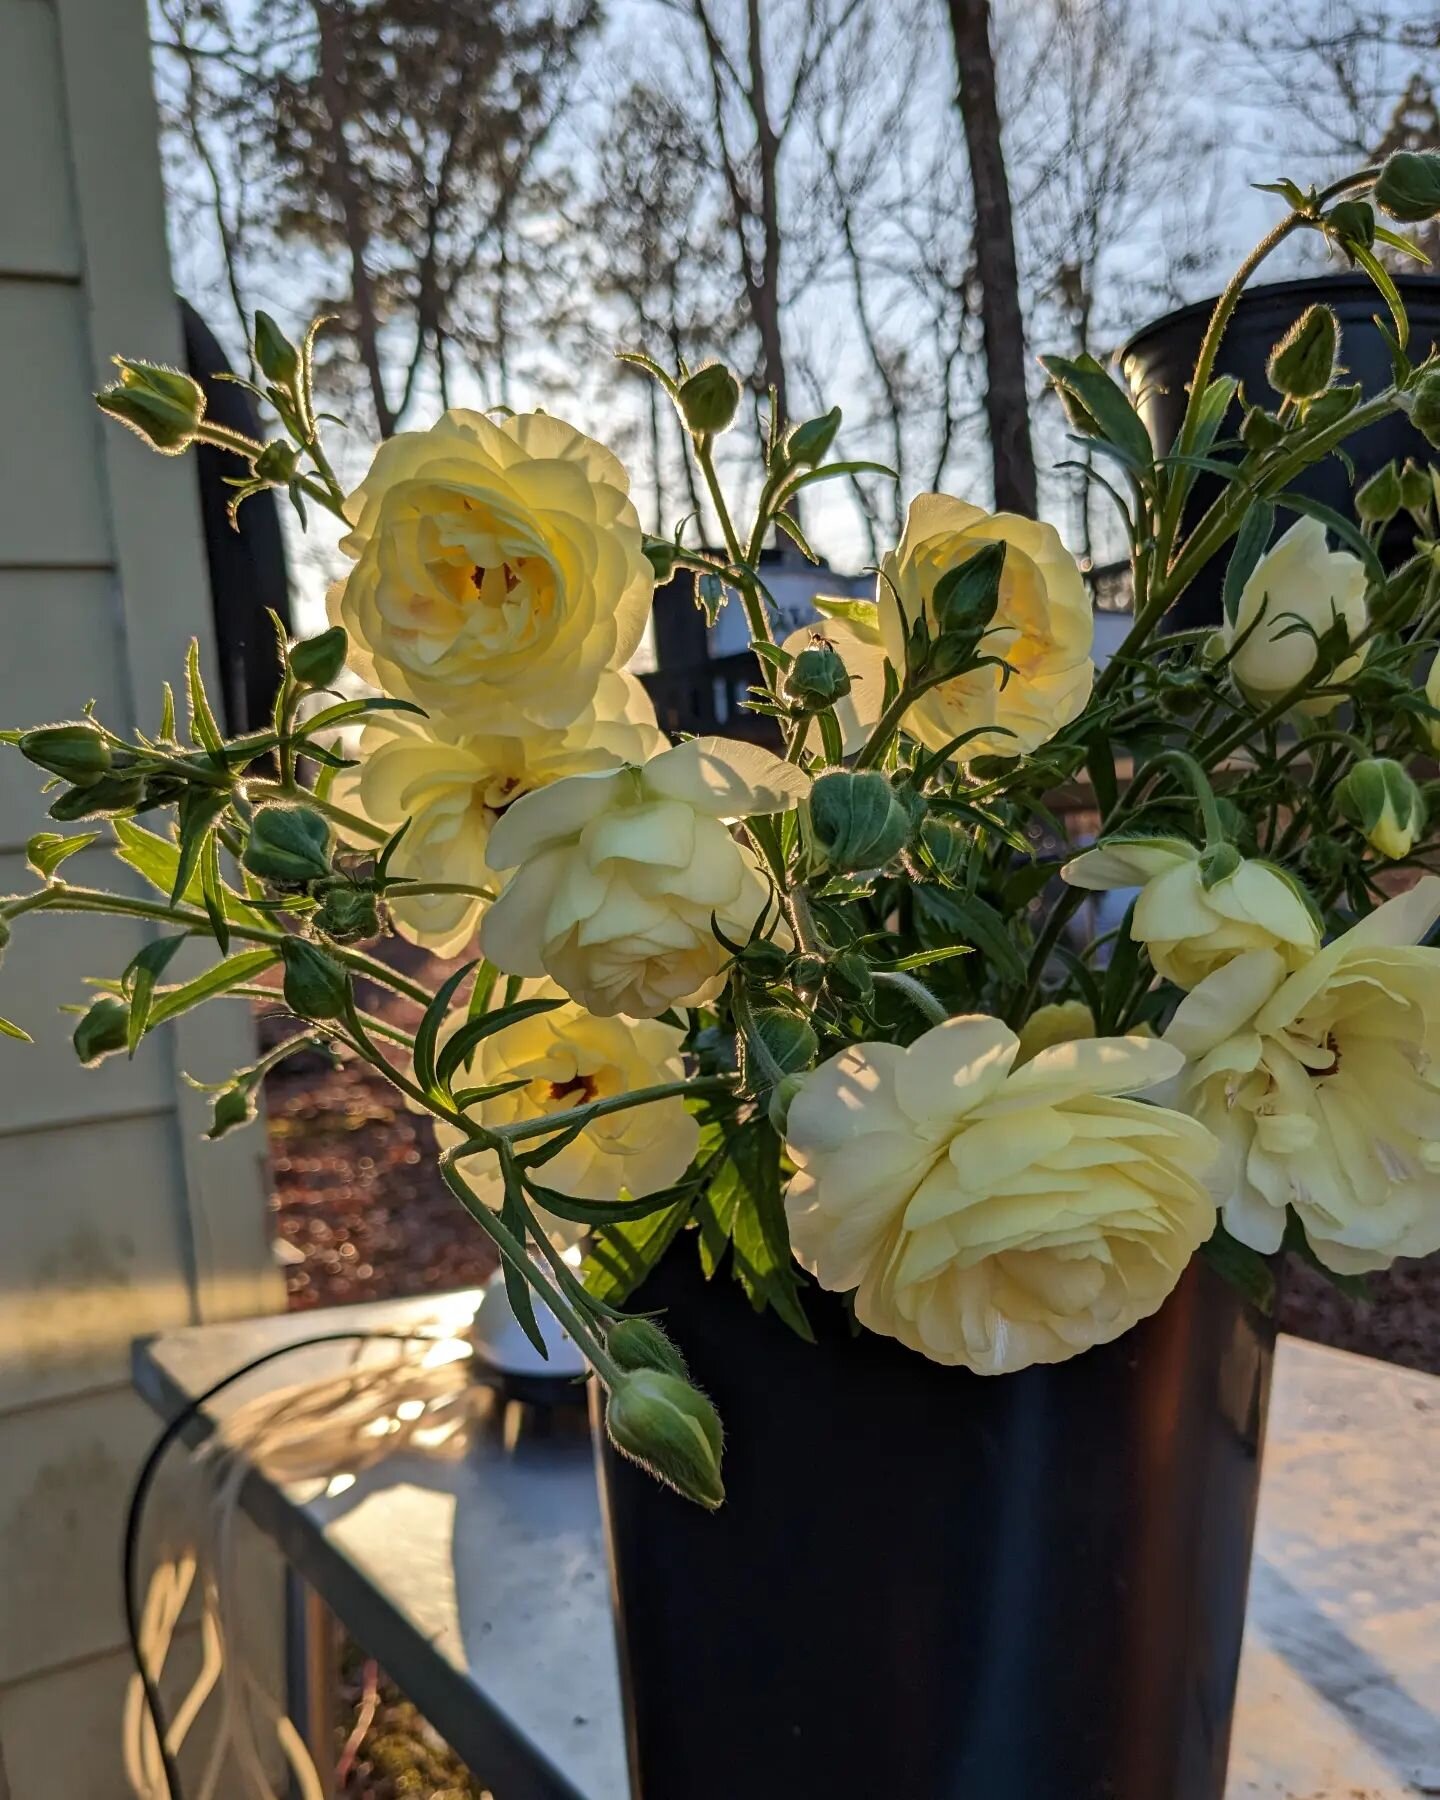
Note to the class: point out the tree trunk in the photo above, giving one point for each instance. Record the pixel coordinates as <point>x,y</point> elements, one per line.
<point>347,193</point>
<point>1007,407</point>
<point>765,292</point>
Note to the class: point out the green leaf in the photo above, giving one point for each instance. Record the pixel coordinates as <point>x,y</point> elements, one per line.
<point>195,817</point>
<point>212,890</point>
<point>517,1287</point>
<point>460,1046</point>
<point>354,709</point>
<point>1107,403</point>
<point>203,728</point>
<point>157,859</point>
<point>921,959</point>
<point>9,1029</point>
<point>1250,542</point>
<point>48,849</point>
<point>167,715</point>
<point>600,1213</point>
<point>761,1255</point>
<point>480,994</point>
<point>139,980</point>
<point>1354,1287</point>
<point>1245,1269</point>
<point>428,1031</point>
<point>976,922</point>
<point>234,972</point>
<point>1385,282</point>
<point>621,1256</point>
<point>797,537</point>
<point>831,470</point>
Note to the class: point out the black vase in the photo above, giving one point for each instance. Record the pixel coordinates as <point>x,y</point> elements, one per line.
<point>931,1585</point>
<point>1160,359</point>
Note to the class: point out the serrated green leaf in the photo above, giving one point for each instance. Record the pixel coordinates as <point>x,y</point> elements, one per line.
<point>621,1256</point>
<point>975,921</point>
<point>760,1240</point>
<point>48,849</point>
<point>203,729</point>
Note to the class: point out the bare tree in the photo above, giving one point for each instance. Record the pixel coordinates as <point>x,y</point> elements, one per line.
<point>1007,401</point>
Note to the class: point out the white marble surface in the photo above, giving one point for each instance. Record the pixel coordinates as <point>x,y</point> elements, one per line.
<point>486,1574</point>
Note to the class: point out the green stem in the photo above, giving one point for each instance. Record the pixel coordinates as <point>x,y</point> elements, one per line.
<point>600,1109</point>
<point>915,992</point>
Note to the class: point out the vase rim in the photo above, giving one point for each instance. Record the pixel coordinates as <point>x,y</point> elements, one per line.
<point>1348,282</point>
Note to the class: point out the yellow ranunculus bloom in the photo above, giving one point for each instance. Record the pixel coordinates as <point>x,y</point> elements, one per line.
<point>1297,591</point>
<point>498,570</point>
<point>1323,1087</point>
<point>992,1215</point>
<point>619,877</point>
<point>1189,929</point>
<point>1043,627</point>
<point>452,789</point>
<point>1062,1022</point>
<point>569,1057</point>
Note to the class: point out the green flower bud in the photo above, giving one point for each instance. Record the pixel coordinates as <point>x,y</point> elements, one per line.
<point>850,977</point>
<point>277,462</point>
<point>162,405</point>
<point>709,399</point>
<point>858,820</point>
<point>1424,407</point>
<point>1416,490</point>
<point>317,661</point>
<point>77,753</point>
<point>1260,430</point>
<point>809,444</point>
<point>1331,407</point>
<point>777,1108</point>
<point>807,971</point>
<point>671,1429</point>
<point>765,960</point>
<point>348,914</point>
<point>104,1030</point>
<point>1352,222</point>
<point>234,1107</point>
<point>662,556</point>
<point>1380,799</point>
<point>315,984</point>
<point>1302,364</point>
<point>288,845</point>
<point>641,1344</point>
<point>101,799</point>
<point>818,677</point>
<point>946,844</point>
<point>1408,187</point>
<point>966,596</point>
<point>278,358</point>
<point>790,1040</point>
<point>1378,500</point>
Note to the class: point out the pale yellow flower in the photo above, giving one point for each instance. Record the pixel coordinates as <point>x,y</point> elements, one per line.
<point>1043,628</point>
<point>1297,591</point>
<point>452,787</point>
<point>1189,929</point>
<point>1062,1022</point>
<point>567,1058</point>
<point>498,570</point>
<point>854,634</point>
<point>1323,1088</point>
<point>619,878</point>
<point>990,1215</point>
<point>1432,694</point>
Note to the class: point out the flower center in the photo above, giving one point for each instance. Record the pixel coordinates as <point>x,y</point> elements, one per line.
<point>1320,1070</point>
<point>575,1092</point>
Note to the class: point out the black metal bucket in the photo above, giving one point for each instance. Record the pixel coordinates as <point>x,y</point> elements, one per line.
<point>931,1585</point>
<point>1159,360</point>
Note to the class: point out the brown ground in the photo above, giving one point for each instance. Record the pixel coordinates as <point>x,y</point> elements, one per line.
<point>357,1201</point>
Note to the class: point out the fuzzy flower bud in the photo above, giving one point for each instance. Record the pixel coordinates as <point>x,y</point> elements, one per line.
<point>1378,500</point>
<point>1425,407</point>
<point>1302,364</point>
<point>858,819</point>
<point>347,914</point>
<point>234,1107</point>
<point>1380,799</point>
<point>317,661</point>
<point>99,799</point>
<point>641,1344</point>
<point>103,1030</point>
<point>288,845</point>
<point>77,753</point>
<point>162,405</point>
<point>709,399</point>
<point>278,358</point>
<point>1408,187</point>
<point>818,677</point>
<point>671,1429</point>
<point>315,984</point>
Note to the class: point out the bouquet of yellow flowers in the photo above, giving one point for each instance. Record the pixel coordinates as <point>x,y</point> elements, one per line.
<point>827,1009</point>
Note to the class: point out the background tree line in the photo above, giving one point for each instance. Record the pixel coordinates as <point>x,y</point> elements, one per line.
<point>889,203</point>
